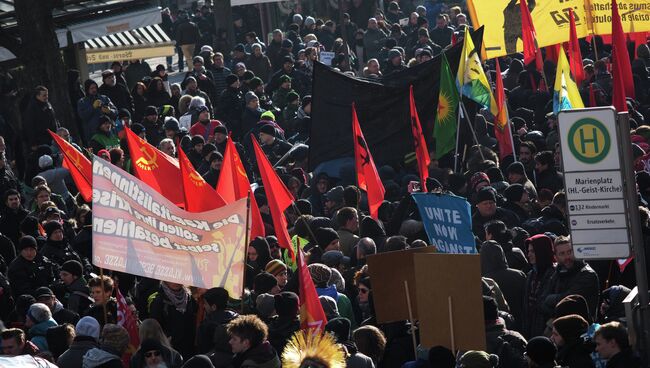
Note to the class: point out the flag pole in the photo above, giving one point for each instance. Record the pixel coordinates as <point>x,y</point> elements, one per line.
<point>457,137</point>
<point>246,241</point>
<point>462,105</point>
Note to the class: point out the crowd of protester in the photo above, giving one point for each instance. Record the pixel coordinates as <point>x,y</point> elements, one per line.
<point>542,306</point>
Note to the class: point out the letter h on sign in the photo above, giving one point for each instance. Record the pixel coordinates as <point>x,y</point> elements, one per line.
<point>593,140</point>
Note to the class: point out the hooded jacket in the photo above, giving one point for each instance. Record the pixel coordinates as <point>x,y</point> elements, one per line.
<point>511,282</point>
<point>96,358</point>
<point>207,328</point>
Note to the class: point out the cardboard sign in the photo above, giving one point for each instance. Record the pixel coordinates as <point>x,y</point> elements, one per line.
<point>388,271</point>
<point>455,278</point>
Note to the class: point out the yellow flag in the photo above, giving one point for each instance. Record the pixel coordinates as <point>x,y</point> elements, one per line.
<point>471,80</point>
<point>566,95</point>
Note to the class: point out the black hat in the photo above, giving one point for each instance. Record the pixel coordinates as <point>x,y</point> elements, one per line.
<point>255,82</point>
<point>52,226</point>
<point>150,345</point>
<point>267,129</point>
<point>150,110</point>
<point>73,267</point>
<point>43,292</point>
<point>171,123</point>
<point>340,327</point>
<point>220,129</point>
<point>514,192</point>
<point>197,139</point>
<point>486,194</point>
<point>264,283</point>
<point>138,128</point>
<point>541,350</point>
<point>214,156</point>
<point>325,235</point>
<point>292,96</point>
<point>423,32</point>
<point>248,75</point>
<point>230,79</point>
<point>287,44</point>
<point>123,113</point>
<point>239,47</point>
<point>570,327</point>
<point>207,149</point>
<point>27,241</point>
<point>287,304</point>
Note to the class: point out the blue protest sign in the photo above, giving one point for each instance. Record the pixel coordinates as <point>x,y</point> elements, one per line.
<point>447,220</point>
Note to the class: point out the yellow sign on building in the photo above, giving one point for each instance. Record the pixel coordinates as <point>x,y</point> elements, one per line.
<point>502,21</point>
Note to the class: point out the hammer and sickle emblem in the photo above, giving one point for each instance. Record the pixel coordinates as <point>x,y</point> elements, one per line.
<point>197,179</point>
<point>149,159</point>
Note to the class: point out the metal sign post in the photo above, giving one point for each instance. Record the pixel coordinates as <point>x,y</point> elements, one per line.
<point>638,246</point>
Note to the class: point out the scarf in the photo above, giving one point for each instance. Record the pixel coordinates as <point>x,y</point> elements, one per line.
<point>178,298</point>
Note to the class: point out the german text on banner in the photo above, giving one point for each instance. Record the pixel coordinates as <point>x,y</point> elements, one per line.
<point>447,220</point>
<point>502,21</point>
<point>138,231</point>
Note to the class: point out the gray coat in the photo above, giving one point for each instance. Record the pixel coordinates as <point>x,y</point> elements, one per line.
<point>73,357</point>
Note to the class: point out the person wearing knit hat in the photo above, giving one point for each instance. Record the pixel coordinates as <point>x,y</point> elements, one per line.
<point>541,352</point>
<point>265,283</point>
<point>86,337</point>
<point>566,335</point>
<point>278,269</point>
<point>487,210</point>
<point>57,249</point>
<point>267,129</point>
<point>516,174</point>
<point>329,307</point>
<point>38,320</point>
<point>517,201</point>
<point>478,181</point>
<point>327,238</point>
<point>320,274</point>
<point>479,359</point>
<point>573,304</point>
<point>265,307</point>
<point>27,272</point>
<point>287,306</point>
<point>75,286</point>
<point>113,343</point>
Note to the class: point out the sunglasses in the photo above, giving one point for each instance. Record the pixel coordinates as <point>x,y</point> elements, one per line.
<point>363,290</point>
<point>152,354</point>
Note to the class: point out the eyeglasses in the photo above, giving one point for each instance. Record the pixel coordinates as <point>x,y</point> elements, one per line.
<point>363,290</point>
<point>152,354</point>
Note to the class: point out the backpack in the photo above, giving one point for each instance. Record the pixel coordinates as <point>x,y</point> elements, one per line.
<point>511,352</point>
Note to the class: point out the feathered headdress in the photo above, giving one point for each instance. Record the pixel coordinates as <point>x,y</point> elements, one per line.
<point>311,349</point>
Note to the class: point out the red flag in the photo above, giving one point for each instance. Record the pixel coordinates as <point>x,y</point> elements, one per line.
<point>529,36</point>
<point>575,56</point>
<point>312,315</point>
<point>367,176</point>
<point>126,319</point>
<point>501,125</point>
<point>155,168</point>
<point>233,185</point>
<point>277,195</point>
<point>552,52</point>
<point>199,195</point>
<point>621,68</point>
<point>80,167</point>
<point>421,151</point>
